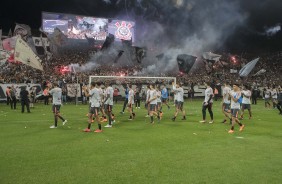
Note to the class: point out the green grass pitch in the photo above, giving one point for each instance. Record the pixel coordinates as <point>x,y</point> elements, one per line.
<point>138,152</point>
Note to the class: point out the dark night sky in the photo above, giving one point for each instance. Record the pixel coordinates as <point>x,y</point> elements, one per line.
<point>261,14</point>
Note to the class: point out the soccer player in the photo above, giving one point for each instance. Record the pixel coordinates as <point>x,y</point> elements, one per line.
<point>207,104</point>
<point>226,102</point>
<point>235,95</point>
<point>180,101</point>
<point>130,102</point>
<point>267,94</point>
<point>108,103</point>
<point>126,99</point>
<point>174,96</point>
<point>94,98</point>
<point>165,96</point>
<point>159,101</point>
<point>56,93</point>
<point>153,103</point>
<point>246,102</point>
<point>274,96</point>
<point>102,92</point>
<point>147,101</point>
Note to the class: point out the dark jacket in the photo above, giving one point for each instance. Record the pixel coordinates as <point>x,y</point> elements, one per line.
<point>24,95</point>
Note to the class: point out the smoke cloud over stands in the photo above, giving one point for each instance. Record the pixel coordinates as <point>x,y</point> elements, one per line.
<point>180,27</point>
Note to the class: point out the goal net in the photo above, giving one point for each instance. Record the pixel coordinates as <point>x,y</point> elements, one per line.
<point>140,83</point>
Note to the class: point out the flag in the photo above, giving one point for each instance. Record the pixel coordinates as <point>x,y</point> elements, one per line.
<point>24,54</point>
<point>260,72</point>
<point>22,29</point>
<point>244,72</point>
<point>211,56</point>
<point>57,37</point>
<point>9,43</point>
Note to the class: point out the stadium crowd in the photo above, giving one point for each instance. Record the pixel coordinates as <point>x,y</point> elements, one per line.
<point>54,70</point>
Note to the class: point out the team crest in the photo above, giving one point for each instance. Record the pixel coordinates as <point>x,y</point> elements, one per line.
<point>123,30</point>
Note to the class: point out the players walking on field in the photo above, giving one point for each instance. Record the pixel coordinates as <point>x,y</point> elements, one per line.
<point>147,105</point>
<point>56,93</point>
<point>179,92</point>
<point>207,104</point>
<point>159,101</point>
<point>164,93</point>
<point>226,102</point>
<point>130,102</point>
<point>152,102</point>
<point>246,102</point>
<point>108,103</point>
<point>267,93</point>
<point>274,95</point>
<point>94,99</point>
<point>125,104</point>
<point>235,96</point>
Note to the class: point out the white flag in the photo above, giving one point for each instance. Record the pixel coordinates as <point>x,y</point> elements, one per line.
<point>244,72</point>
<point>211,56</point>
<point>262,71</point>
<point>22,29</point>
<point>24,54</point>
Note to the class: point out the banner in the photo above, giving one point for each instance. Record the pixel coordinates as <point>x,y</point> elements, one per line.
<point>9,43</point>
<point>18,87</point>
<point>73,90</point>
<point>24,54</point>
<point>40,42</point>
<point>244,72</point>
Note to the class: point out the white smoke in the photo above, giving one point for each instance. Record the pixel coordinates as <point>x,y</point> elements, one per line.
<point>84,68</point>
<point>272,30</point>
<point>212,24</point>
<point>185,27</point>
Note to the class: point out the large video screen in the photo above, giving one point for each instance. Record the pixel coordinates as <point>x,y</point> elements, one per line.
<point>123,30</point>
<point>76,26</point>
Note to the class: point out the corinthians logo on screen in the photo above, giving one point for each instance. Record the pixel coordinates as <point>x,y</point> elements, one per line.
<point>123,30</point>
